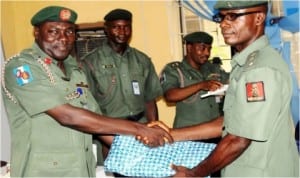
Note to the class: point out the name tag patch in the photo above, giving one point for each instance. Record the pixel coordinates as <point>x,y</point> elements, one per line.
<point>255,91</point>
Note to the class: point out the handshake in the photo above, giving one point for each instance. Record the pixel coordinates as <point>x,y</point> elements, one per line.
<point>161,134</point>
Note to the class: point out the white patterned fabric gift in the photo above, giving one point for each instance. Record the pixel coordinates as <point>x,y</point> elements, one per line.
<point>129,157</point>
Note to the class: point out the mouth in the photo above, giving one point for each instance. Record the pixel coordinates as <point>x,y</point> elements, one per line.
<point>204,58</point>
<point>227,34</point>
<point>62,48</point>
<point>122,39</point>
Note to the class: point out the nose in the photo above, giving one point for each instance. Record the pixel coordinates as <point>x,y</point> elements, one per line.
<point>122,31</point>
<point>63,37</point>
<point>207,51</point>
<point>223,23</point>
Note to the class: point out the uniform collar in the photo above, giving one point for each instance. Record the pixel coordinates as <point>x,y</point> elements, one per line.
<point>108,51</point>
<point>241,57</point>
<point>187,66</point>
<point>41,54</point>
<point>70,61</point>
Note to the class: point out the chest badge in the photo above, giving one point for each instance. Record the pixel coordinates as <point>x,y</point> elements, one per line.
<point>80,86</point>
<point>136,87</point>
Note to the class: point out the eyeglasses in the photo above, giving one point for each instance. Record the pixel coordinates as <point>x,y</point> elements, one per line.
<point>230,16</point>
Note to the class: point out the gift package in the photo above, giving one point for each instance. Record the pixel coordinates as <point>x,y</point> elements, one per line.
<point>129,157</point>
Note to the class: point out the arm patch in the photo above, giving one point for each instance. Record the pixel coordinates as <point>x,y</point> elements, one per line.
<point>255,91</point>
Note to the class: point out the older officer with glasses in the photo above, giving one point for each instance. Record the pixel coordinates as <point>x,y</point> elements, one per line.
<point>257,128</point>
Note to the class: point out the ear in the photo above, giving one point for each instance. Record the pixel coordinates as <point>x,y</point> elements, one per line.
<point>188,47</point>
<point>260,18</point>
<point>36,32</point>
<point>106,26</point>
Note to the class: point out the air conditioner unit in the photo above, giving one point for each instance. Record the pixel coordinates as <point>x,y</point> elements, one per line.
<point>88,37</point>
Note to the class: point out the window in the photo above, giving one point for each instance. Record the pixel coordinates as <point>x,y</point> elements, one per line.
<point>88,37</point>
<point>192,23</point>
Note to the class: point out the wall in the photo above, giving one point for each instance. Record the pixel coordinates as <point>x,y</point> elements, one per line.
<point>5,132</point>
<point>155,29</point>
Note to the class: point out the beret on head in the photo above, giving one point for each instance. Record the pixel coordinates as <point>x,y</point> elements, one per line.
<point>198,37</point>
<point>238,4</point>
<point>54,14</point>
<point>118,14</point>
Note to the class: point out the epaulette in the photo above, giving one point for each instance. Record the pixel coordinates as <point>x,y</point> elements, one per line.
<point>28,54</point>
<point>175,64</point>
<point>89,53</point>
<point>31,54</point>
<point>251,58</point>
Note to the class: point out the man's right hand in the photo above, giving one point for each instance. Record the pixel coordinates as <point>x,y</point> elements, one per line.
<point>155,134</point>
<point>210,85</point>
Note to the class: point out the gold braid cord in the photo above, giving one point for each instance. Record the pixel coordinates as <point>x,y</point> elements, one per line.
<point>194,97</point>
<point>7,93</point>
<point>47,70</point>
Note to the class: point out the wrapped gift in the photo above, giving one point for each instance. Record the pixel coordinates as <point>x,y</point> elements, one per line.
<point>129,157</point>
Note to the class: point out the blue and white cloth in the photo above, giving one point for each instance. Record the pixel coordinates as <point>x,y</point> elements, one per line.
<point>129,157</point>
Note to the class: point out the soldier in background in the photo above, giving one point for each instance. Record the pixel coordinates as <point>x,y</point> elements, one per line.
<point>184,82</point>
<point>122,79</point>
<point>217,61</point>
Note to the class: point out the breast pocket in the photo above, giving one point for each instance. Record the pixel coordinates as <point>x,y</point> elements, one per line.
<point>106,82</point>
<point>138,78</point>
<point>230,95</point>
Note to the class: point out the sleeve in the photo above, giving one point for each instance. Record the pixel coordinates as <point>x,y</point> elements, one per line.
<point>169,78</point>
<point>224,76</point>
<point>254,115</point>
<point>87,67</point>
<point>36,94</point>
<point>152,87</point>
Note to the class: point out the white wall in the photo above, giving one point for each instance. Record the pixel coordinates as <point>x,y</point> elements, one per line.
<point>5,132</point>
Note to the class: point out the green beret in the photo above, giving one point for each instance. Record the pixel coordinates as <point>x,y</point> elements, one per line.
<point>54,14</point>
<point>198,37</point>
<point>118,14</point>
<point>235,4</point>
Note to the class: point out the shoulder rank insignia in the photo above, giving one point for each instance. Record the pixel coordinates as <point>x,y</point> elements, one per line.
<point>23,75</point>
<point>162,78</point>
<point>175,64</point>
<point>255,91</point>
<point>251,58</point>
